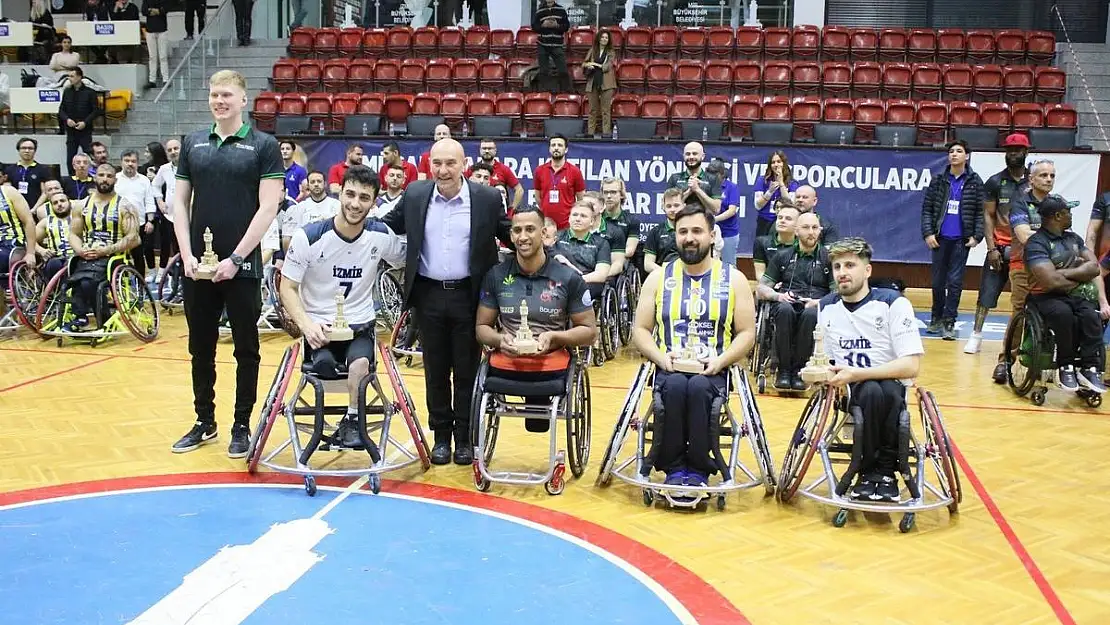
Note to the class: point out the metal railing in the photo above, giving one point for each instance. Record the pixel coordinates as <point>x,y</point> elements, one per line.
<point>175,98</point>
<point>1082,76</point>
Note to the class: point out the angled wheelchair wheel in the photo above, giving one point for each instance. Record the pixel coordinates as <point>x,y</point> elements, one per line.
<point>25,285</point>
<point>488,433</point>
<point>171,288</point>
<point>938,448</point>
<point>756,435</point>
<point>388,299</point>
<point>404,339</point>
<point>52,304</point>
<point>1023,352</point>
<point>284,319</point>
<point>628,412</point>
<point>579,423</point>
<point>804,441</point>
<point>626,309</point>
<point>273,406</point>
<point>134,303</point>
<point>406,405</point>
<point>610,329</point>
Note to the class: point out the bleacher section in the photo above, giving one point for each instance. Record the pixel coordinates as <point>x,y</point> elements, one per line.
<point>737,83</point>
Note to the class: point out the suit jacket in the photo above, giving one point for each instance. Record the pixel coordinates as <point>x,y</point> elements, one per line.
<point>487,224</point>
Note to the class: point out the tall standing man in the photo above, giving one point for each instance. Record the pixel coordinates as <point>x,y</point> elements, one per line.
<point>551,24</point>
<point>243,10</point>
<point>79,108</point>
<point>452,226</point>
<point>230,179</point>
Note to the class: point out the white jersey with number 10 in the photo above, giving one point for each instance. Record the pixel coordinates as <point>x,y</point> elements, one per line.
<point>869,333</point>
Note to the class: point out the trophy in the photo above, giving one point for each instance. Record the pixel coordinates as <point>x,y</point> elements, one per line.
<point>340,331</point>
<point>208,261</point>
<point>687,361</point>
<point>816,370</point>
<point>524,342</point>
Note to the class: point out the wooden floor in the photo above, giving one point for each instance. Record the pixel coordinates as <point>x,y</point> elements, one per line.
<point>1028,545</point>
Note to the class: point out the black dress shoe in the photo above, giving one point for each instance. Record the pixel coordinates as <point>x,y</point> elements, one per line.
<point>798,383</point>
<point>464,456</point>
<point>441,453</point>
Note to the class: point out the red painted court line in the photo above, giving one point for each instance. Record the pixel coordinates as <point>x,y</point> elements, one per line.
<point>1047,591</point>
<point>1092,411</point>
<point>55,374</point>
<point>705,603</point>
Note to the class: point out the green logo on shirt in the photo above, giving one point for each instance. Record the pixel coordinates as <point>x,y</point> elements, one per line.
<point>508,281</point>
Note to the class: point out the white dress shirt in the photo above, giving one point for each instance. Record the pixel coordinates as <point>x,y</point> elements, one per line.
<point>167,175</point>
<point>445,254</point>
<point>138,191</point>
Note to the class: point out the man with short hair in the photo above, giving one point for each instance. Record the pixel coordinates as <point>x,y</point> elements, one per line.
<point>295,173</point>
<point>99,156</point>
<point>796,279</point>
<point>52,235</point>
<point>338,170</point>
<point>698,186</point>
<point>487,153</point>
<point>783,236</point>
<point>42,208</point>
<point>480,173</point>
<point>423,167</point>
<point>391,155</point>
<point>660,245</point>
<point>340,255</point>
<point>230,180</point>
<point>693,295</point>
<point>586,251</point>
<point>951,224</point>
<point>393,188</point>
<point>17,227</point>
<point>27,175</point>
<point>135,188</point>
<point>318,205</point>
<point>805,199</point>
<point>79,183</point>
<point>78,110</point>
<point>558,183</point>
<point>551,23</point>
<point>613,195</point>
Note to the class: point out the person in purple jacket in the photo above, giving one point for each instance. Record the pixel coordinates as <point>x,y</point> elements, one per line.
<point>776,184</point>
<point>728,218</point>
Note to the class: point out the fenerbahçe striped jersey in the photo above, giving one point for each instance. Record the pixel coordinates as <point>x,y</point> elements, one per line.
<point>706,300</point>
<point>103,224</point>
<point>871,332</point>
<point>57,236</point>
<point>11,228</point>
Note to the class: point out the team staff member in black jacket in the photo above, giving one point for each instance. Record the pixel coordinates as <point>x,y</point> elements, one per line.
<point>79,108</point>
<point>951,224</point>
<point>230,179</point>
<point>551,23</point>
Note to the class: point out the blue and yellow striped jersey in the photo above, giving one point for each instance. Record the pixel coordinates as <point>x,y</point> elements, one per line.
<point>706,300</point>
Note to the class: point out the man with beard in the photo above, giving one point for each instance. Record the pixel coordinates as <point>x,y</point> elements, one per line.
<point>52,234</point>
<point>554,293</point>
<point>1062,289</point>
<point>871,337</point>
<point>558,183</point>
<point>393,187</point>
<point>336,172</point>
<point>693,295</point>
<point>318,205</point>
<point>501,172</point>
<point>999,191</point>
<point>341,255</point>
<point>796,279</point>
<point>391,157</point>
<point>103,227</point>
<point>698,186</point>
<point>805,200</point>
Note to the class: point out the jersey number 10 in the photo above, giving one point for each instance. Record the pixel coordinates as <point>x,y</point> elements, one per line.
<point>861,360</point>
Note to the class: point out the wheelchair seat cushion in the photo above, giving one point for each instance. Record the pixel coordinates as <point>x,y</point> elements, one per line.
<point>551,362</point>
<point>526,388</point>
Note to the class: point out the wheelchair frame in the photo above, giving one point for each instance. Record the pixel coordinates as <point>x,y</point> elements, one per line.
<point>1043,345</point>
<point>399,338</point>
<point>393,454</point>
<point>55,304</point>
<point>606,312</point>
<point>172,282</point>
<point>816,434</point>
<point>573,407</point>
<point>749,425</point>
<point>15,315</point>
<point>269,320</point>
<point>628,293</point>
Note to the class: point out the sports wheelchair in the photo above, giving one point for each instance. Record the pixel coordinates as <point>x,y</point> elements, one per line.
<point>628,293</point>
<point>828,427</point>
<point>569,401</point>
<point>404,340</point>
<point>606,311</point>
<point>23,286</point>
<point>388,300</point>
<point>386,454</point>
<point>730,426</point>
<point>171,288</point>
<point>271,320</point>
<point>1029,350</point>
<point>763,360</point>
<point>123,305</point>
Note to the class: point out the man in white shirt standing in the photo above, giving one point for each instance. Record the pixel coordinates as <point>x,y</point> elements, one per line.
<point>166,177</point>
<point>137,190</point>
<point>315,207</point>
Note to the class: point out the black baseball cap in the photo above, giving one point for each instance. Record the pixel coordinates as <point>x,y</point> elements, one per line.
<point>1051,205</point>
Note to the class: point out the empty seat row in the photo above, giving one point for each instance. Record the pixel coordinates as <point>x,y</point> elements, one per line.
<point>1018,83</point>
<point>669,42</point>
<point>529,111</point>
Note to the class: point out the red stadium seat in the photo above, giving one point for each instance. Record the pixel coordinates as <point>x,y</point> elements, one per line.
<point>425,42</point>
<point>664,42</point>
<point>927,81</point>
<point>387,74</point>
<point>371,104</point>
<point>374,41</point>
<point>995,115</point>
<point>580,39</point>
<point>502,42</point>
<point>689,77</point>
<point>301,42</point>
<point>343,105</point>
<point>326,44</point>
<point>745,110</point>
<point>292,104</point>
<point>425,104</point>
<point>683,108</point>
<point>476,42</point>
<point>411,78</point>
<point>776,109</point>
<point>625,106</point>
<point>511,106</point>
<point>335,75</point>
<point>1026,115</point>
<point>266,107</point>
<point>514,74</point>
<point>491,76</point>
<point>398,107</point>
<point>1040,47</point>
<point>716,108</point>
<point>951,45</point>
<point>932,122</point>
<point>838,110</point>
<point>867,80</point>
<point>835,43</point>
<point>1018,82</point>
<point>892,45</point>
<point>632,75</point>
<point>360,75</point>
<point>897,80</point>
<point>805,42</point>
<point>776,43</point>
<point>398,42</point>
<point>318,108</point>
<point>776,77</point>
<point>749,42</point>
<point>921,46</point>
<point>537,108</point>
<point>721,42</point>
<point>481,105</point>
<point>577,77</point>
<point>959,81</point>
<point>658,108</point>
<point>1010,46</point>
<point>864,44</point>
<point>747,78</point>
<point>453,107</point>
<point>439,74</point>
<point>806,76</point>
<point>450,43</point>
<point>527,43</point>
<point>568,105</point>
<point>464,76</point>
<point>284,74</point>
<point>637,42</point>
<point>901,112</point>
<point>718,77</point>
<point>692,43</point>
<point>309,74</point>
<point>617,35</point>
<point>988,82</point>
<point>1060,116</point>
<point>350,42</point>
<point>806,112</point>
<point>660,77</point>
<point>868,114</point>
<point>981,46</point>
<point>836,80</point>
<point>963,114</point>
<point>1052,84</point>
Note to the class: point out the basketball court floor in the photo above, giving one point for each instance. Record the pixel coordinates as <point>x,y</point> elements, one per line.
<point>100,523</point>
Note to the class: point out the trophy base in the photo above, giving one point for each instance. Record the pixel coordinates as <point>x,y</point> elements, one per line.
<point>205,272</point>
<point>341,334</point>
<point>689,366</point>
<point>815,375</point>
<point>526,348</point>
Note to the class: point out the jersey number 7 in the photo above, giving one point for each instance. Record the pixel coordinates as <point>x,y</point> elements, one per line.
<point>347,286</point>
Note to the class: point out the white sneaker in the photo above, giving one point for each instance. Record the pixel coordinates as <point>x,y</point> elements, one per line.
<point>973,343</point>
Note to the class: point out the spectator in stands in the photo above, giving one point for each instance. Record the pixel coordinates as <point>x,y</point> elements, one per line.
<point>137,190</point>
<point>27,175</point>
<point>79,183</point>
<point>44,34</point>
<point>124,11</point>
<point>601,82</point>
<point>783,236</point>
<point>551,23</point>
<point>776,183</point>
<point>393,187</point>
<point>423,166</point>
<point>295,173</point>
<point>99,156</point>
<point>157,41</point>
<point>298,11</point>
<point>805,198</point>
<point>154,158</point>
<point>728,218</point>
<point>337,171</point>
<point>480,173</point>
<point>558,183</point>
<point>487,153</point>
<point>79,108</point>
<point>197,8</point>
<point>98,11</point>
<point>243,21</point>
<point>951,224</point>
<point>166,180</point>
<point>65,59</point>
<point>697,185</point>
<point>391,155</point>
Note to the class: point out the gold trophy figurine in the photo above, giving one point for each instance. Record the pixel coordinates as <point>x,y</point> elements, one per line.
<point>340,331</point>
<point>524,342</point>
<point>817,370</point>
<point>687,361</point>
<point>206,270</point>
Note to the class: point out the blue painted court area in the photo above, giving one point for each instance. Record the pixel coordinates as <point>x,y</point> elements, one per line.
<point>994,328</point>
<point>257,555</point>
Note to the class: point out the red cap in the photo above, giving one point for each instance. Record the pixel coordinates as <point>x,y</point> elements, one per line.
<point>1016,140</point>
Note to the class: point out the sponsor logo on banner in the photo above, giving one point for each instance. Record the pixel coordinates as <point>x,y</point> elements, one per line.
<point>104,28</point>
<point>50,95</point>
<point>4,32</point>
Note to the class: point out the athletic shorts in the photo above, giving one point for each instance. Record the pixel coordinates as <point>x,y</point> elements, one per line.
<point>992,282</point>
<point>325,360</point>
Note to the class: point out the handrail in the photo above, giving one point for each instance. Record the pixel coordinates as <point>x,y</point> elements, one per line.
<point>212,21</point>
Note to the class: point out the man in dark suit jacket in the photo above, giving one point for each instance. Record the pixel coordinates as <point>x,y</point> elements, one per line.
<point>452,227</point>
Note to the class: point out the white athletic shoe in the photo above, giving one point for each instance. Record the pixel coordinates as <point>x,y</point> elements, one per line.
<point>973,343</point>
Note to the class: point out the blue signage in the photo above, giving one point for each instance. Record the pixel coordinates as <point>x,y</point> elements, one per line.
<point>872,193</point>
<point>4,32</point>
<point>104,28</point>
<point>50,95</point>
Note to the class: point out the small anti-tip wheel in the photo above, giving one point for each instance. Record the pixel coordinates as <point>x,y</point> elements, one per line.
<point>375,482</point>
<point>649,497</point>
<point>1037,397</point>
<point>840,518</point>
<point>555,486</point>
<point>761,383</point>
<point>721,503</point>
<point>1094,401</point>
<point>310,485</point>
<point>906,524</point>
<point>59,341</point>
<point>483,485</point>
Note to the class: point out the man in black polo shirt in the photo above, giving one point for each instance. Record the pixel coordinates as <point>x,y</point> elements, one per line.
<point>230,179</point>
<point>783,235</point>
<point>796,279</point>
<point>659,245</point>
<point>560,309</point>
<point>1063,271</point>
<point>698,186</point>
<point>587,252</point>
<point>613,195</point>
<point>27,175</point>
